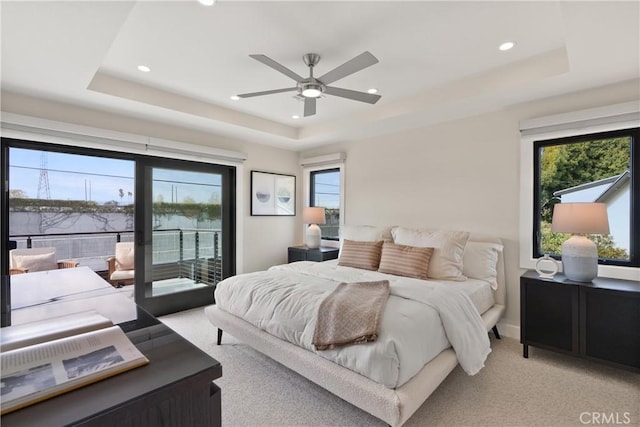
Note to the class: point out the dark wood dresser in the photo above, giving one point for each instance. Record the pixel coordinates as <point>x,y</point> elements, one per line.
<point>599,320</point>
<point>176,388</point>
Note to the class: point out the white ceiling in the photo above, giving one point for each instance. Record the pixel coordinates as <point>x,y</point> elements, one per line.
<point>438,60</point>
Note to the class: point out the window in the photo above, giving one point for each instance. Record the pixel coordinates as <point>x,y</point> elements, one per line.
<point>324,191</point>
<point>598,167</point>
<point>82,201</point>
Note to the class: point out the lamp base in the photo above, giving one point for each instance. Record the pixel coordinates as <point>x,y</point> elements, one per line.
<point>314,235</point>
<point>580,259</point>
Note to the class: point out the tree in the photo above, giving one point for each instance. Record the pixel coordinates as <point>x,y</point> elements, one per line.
<point>17,194</point>
<point>569,165</point>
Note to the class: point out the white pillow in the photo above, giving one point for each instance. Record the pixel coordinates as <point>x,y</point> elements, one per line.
<point>39,262</point>
<point>446,261</point>
<point>480,261</point>
<point>124,256</point>
<point>364,233</point>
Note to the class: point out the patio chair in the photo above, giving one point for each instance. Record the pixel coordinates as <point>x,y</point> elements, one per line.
<point>36,259</point>
<point>121,270</point>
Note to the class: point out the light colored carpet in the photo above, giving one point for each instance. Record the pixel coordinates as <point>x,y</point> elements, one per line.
<point>548,389</point>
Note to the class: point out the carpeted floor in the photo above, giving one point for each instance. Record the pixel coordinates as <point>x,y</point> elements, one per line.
<point>548,389</point>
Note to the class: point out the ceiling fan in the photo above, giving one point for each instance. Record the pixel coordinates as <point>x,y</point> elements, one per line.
<point>311,88</point>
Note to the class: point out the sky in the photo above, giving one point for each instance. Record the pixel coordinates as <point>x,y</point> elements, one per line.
<point>327,190</point>
<point>98,179</point>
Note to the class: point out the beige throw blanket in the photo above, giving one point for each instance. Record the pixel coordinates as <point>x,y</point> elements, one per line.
<point>350,314</point>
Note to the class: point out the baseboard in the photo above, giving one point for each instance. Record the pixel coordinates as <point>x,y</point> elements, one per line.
<point>509,330</point>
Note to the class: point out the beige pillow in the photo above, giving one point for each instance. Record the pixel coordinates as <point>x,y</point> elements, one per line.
<point>124,256</point>
<point>402,260</point>
<point>364,233</point>
<point>365,255</point>
<point>39,262</point>
<point>447,258</point>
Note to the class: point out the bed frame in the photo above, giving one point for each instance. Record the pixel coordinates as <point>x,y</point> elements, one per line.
<point>394,406</point>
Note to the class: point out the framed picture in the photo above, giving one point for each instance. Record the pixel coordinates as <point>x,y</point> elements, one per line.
<point>272,194</point>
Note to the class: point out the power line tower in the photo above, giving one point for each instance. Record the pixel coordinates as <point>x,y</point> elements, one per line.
<point>43,186</point>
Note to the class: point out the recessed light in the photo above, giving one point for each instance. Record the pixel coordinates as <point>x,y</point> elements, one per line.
<point>234,97</point>
<point>207,2</point>
<point>295,117</point>
<point>506,46</point>
<point>373,90</point>
<point>144,68</point>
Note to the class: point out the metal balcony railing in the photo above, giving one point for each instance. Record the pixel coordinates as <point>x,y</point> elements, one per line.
<point>195,254</point>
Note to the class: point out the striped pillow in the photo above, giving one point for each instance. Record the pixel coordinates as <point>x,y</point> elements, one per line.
<point>365,255</point>
<point>402,260</point>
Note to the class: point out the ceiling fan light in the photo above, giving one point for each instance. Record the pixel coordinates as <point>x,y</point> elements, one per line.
<point>311,92</point>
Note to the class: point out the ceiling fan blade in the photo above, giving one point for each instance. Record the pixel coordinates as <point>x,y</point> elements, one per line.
<point>309,106</point>
<point>267,92</point>
<point>277,66</point>
<point>352,94</point>
<point>356,64</point>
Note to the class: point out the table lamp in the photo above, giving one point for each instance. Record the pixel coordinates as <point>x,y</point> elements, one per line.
<point>579,254</point>
<point>313,217</point>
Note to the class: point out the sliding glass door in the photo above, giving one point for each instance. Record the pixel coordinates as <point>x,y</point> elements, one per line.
<point>165,225</point>
<point>186,221</point>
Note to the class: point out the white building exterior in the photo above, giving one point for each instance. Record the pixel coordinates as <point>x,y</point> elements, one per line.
<point>615,192</point>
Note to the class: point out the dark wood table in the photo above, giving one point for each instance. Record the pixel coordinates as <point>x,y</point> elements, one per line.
<point>175,389</point>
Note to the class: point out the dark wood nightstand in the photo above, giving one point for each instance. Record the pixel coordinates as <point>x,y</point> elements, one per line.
<point>599,320</point>
<point>303,253</point>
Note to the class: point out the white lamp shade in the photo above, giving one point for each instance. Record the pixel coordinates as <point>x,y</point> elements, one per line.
<point>313,215</point>
<point>580,218</point>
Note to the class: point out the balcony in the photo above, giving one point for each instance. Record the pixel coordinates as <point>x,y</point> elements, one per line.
<point>181,258</point>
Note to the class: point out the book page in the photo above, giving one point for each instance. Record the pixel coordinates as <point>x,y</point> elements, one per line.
<point>46,369</point>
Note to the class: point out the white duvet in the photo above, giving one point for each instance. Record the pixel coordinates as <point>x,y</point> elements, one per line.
<point>421,317</point>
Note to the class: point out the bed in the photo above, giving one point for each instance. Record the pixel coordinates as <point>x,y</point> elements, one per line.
<point>387,378</point>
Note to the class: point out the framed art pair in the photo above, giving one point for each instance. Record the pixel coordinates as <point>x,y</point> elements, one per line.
<point>272,194</point>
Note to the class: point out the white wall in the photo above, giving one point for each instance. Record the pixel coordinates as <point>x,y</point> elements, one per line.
<point>266,239</point>
<point>263,240</point>
<point>462,174</point>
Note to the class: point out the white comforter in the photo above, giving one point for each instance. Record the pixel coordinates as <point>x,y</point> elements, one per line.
<point>421,317</point>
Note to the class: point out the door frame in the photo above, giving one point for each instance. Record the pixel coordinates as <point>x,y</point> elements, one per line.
<point>143,225</point>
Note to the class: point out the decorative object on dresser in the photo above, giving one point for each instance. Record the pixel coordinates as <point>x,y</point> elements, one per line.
<point>547,267</point>
<point>579,254</point>
<point>303,253</point>
<point>272,194</point>
<point>598,320</point>
<point>313,216</point>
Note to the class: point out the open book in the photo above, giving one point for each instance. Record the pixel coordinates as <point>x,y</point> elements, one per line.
<point>47,358</point>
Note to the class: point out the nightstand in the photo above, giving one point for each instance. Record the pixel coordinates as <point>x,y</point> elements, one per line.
<point>303,253</point>
<point>598,320</point>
